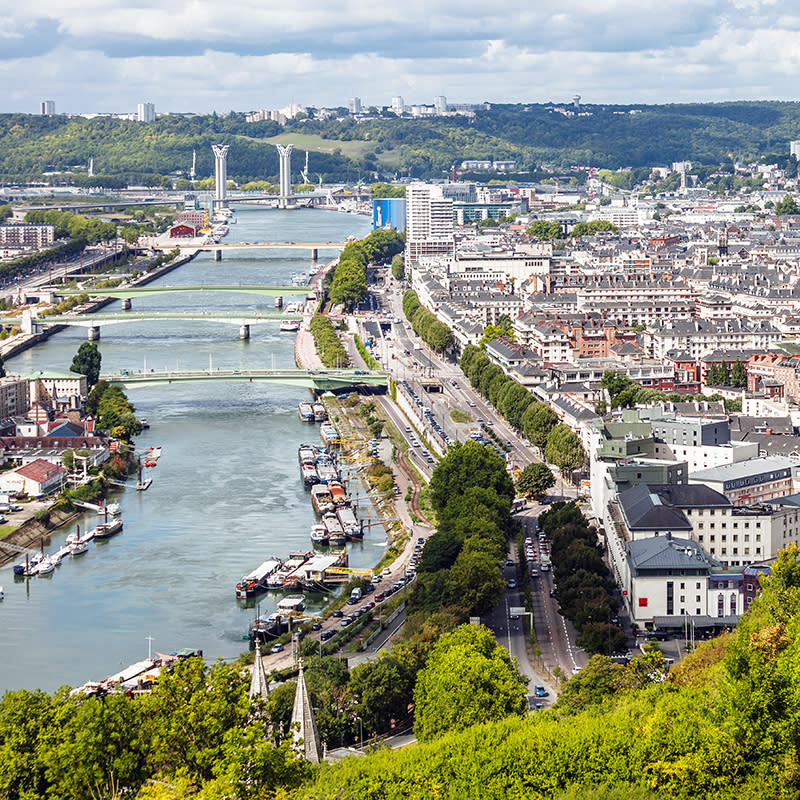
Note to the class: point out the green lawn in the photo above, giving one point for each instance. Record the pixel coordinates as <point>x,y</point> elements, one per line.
<point>459,416</point>
<point>314,142</point>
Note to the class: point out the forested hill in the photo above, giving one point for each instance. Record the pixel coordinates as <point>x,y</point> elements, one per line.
<point>725,724</point>
<point>535,136</point>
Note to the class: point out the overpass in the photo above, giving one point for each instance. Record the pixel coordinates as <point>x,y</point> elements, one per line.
<point>319,380</point>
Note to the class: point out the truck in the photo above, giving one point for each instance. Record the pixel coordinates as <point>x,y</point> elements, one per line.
<point>355,596</point>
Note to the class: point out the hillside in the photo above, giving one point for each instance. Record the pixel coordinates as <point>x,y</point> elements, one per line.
<point>535,136</point>
<point>725,724</point>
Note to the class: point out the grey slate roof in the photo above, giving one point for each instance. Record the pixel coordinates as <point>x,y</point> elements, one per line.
<point>690,495</point>
<point>667,553</point>
<point>643,510</point>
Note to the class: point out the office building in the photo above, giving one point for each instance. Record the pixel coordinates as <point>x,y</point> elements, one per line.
<point>429,222</point>
<point>398,106</point>
<point>440,104</point>
<point>48,108</point>
<point>794,148</point>
<point>146,112</point>
<point>354,105</point>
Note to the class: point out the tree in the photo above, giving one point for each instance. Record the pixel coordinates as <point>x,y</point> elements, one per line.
<point>787,206</point>
<point>535,480</point>
<point>514,403</point>
<point>475,581</point>
<point>738,375</point>
<point>87,362</point>
<point>564,448</point>
<point>599,679</point>
<point>468,679</point>
<point>384,689</point>
<point>466,465</point>
<point>537,421</point>
<point>398,267</point>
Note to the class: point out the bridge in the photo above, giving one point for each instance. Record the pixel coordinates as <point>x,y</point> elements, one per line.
<point>319,380</point>
<point>129,292</point>
<point>218,249</point>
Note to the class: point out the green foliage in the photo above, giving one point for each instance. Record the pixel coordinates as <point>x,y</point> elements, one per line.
<point>329,347</point>
<point>564,448</point>
<point>544,230</point>
<point>590,228</point>
<point>468,679</point>
<point>74,226</point>
<point>535,480</point>
<point>398,267</point>
<point>537,422</point>
<point>425,325</point>
<point>786,206</point>
<point>380,190</point>
<point>87,362</point>
<point>369,360</point>
<point>18,267</point>
<point>492,332</point>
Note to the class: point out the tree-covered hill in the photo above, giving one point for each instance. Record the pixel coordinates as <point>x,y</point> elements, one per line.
<point>535,136</point>
<point>725,724</point>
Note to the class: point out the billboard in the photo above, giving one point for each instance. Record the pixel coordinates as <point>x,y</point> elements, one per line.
<point>389,212</point>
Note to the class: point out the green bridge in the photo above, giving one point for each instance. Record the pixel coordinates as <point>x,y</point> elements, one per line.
<point>320,380</point>
<point>129,292</point>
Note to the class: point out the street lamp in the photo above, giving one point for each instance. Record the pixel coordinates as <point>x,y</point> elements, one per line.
<point>361,731</point>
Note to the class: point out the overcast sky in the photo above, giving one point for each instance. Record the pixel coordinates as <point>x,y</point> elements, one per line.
<point>198,55</point>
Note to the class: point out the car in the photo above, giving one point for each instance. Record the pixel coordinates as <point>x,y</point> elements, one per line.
<point>540,691</point>
<point>298,636</point>
<point>369,588</point>
<point>471,404</point>
<point>380,596</point>
<point>325,635</point>
<point>386,571</point>
<point>489,422</point>
<point>512,584</point>
<point>369,606</point>
<point>534,572</point>
<point>276,648</point>
<point>509,562</point>
<point>316,626</point>
<point>347,621</point>
<point>357,613</point>
<point>552,593</point>
<point>479,420</point>
<point>338,613</point>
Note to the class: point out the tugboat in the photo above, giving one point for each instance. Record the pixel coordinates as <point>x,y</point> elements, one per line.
<point>320,535</point>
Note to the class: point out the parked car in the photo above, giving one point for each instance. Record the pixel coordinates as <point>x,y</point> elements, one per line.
<point>325,635</point>
<point>276,648</point>
<point>540,691</point>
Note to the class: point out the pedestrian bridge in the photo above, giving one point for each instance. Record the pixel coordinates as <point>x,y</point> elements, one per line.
<point>94,320</point>
<point>129,292</point>
<point>320,380</point>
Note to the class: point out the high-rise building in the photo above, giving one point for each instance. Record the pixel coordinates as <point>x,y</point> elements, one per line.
<point>429,222</point>
<point>354,105</point>
<point>398,106</point>
<point>146,112</point>
<point>48,108</point>
<point>794,148</point>
<point>440,105</point>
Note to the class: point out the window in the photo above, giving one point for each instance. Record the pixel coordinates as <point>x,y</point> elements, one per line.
<point>697,585</point>
<point>697,599</point>
<point>683,586</point>
<point>733,605</point>
<point>682,599</point>
<point>700,526</point>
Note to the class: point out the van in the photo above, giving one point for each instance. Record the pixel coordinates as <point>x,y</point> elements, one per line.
<point>355,596</point>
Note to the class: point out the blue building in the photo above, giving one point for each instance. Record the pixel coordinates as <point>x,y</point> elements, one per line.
<point>389,212</point>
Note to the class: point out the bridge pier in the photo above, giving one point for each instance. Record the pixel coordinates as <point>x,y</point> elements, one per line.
<point>93,333</point>
<point>314,254</point>
<point>244,332</point>
<point>218,255</point>
<point>127,303</point>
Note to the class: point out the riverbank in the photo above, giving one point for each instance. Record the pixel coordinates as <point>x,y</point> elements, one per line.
<point>33,533</point>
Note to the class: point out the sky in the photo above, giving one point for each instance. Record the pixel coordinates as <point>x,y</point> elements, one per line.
<point>203,56</point>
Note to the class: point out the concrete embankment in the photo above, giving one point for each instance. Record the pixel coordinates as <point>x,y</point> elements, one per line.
<point>32,533</point>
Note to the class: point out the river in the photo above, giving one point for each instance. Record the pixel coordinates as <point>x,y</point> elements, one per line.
<point>226,494</point>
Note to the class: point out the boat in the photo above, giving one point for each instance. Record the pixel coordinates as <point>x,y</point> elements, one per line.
<point>293,604</point>
<point>25,567</point>
<point>321,499</point>
<point>256,581</point>
<point>45,566</point>
<point>289,325</point>
<point>320,414</point>
<point>307,454</point>
<point>305,411</point>
<point>336,533</point>
<point>300,279</point>
<point>319,534</point>
<point>338,493</point>
<point>269,627</point>
<point>282,577</point>
<point>105,530</point>
<point>113,509</point>
<point>2,593</point>
<point>326,471</point>
<point>329,433</point>
<point>278,302</point>
<point>349,523</point>
<point>78,548</point>
<point>309,473</point>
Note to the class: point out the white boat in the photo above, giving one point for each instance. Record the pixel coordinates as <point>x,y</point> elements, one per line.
<point>78,548</point>
<point>114,509</point>
<point>289,325</point>
<point>45,566</point>
<point>2,593</point>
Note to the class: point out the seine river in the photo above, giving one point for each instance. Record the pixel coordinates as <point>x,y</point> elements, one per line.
<point>226,494</point>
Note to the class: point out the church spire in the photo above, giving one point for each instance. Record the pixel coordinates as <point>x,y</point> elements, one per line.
<point>259,685</point>
<point>304,729</point>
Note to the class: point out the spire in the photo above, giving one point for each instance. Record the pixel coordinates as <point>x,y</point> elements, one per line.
<point>304,729</point>
<point>259,686</point>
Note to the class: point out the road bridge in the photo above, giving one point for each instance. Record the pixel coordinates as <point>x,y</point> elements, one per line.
<point>319,380</point>
<point>129,292</point>
<point>218,249</point>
